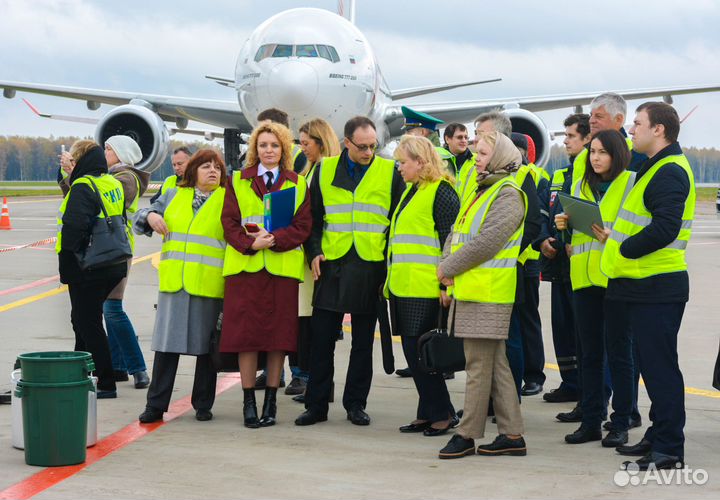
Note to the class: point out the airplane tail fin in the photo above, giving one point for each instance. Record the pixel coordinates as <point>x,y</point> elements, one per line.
<point>346,9</point>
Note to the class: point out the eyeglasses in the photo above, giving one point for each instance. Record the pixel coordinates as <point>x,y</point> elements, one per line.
<point>364,147</point>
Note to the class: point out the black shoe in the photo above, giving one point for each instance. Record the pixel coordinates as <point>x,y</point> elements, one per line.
<point>403,372</point>
<point>300,398</point>
<point>636,450</point>
<point>106,394</point>
<point>634,422</point>
<point>434,431</point>
<point>6,398</point>
<point>295,387</point>
<point>141,379</point>
<point>250,416</point>
<point>120,376</point>
<point>150,415</point>
<point>656,460</point>
<point>531,389</point>
<point>269,411</point>
<point>458,447</point>
<point>308,417</point>
<point>615,439</point>
<point>584,435</point>
<point>358,416</point>
<point>420,427</point>
<point>503,445</point>
<point>571,416</point>
<point>455,419</point>
<point>560,395</point>
<point>203,415</point>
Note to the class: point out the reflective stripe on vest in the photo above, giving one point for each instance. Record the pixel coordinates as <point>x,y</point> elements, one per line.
<point>414,246</point>
<point>586,250</point>
<point>633,217</point>
<point>169,183</point>
<point>111,194</point>
<point>193,251</point>
<point>359,218</point>
<point>288,264</point>
<point>495,280</point>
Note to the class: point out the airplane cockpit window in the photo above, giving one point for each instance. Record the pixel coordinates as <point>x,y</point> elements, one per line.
<point>264,52</point>
<point>306,50</point>
<point>283,51</point>
<point>328,52</point>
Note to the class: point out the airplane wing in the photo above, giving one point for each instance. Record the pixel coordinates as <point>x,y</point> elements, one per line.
<point>467,111</point>
<point>224,114</point>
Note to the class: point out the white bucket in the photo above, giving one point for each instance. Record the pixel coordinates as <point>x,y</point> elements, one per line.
<point>18,441</point>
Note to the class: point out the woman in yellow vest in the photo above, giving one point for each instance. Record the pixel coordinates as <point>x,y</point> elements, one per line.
<point>88,289</point>
<point>605,181</point>
<point>263,269</point>
<point>122,153</point>
<point>191,281</point>
<point>480,262</point>
<point>418,229</point>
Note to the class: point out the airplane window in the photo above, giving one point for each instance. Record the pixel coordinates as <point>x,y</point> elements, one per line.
<point>264,52</point>
<point>305,51</point>
<point>283,51</point>
<point>333,54</point>
<point>324,52</point>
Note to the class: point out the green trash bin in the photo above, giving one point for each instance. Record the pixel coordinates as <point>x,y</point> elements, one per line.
<point>55,367</point>
<point>54,421</point>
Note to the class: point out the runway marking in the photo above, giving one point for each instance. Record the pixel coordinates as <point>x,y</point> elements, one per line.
<point>57,291</point>
<point>49,477</point>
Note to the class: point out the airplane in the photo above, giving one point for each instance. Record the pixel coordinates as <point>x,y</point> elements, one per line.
<point>310,63</point>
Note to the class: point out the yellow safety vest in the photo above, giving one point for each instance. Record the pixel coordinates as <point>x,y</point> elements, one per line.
<point>414,246</point>
<point>111,194</point>
<point>541,173</point>
<point>461,171</point>
<point>359,218</point>
<point>169,183</point>
<point>132,208</point>
<point>581,162</point>
<point>634,217</point>
<point>288,264</point>
<point>495,280</point>
<point>528,253</point>
<point>586,250</point>
<point>193,251</point>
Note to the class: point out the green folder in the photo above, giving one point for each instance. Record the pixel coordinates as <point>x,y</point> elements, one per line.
<point>583,214</point>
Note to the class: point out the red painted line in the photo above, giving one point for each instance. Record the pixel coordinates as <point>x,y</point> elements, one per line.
<point>28,286</point>
<point>49,477</point>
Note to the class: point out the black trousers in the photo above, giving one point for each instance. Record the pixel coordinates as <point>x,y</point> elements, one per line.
<point>564,334</point>
<point>163,379</point>
<point>87,299</point>
<point>325,325</point>
<point>434,400</point>
<point>531,328</point>
<point>655,330</point>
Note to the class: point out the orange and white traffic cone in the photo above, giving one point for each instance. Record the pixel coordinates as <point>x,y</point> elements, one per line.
<point>5,216</point>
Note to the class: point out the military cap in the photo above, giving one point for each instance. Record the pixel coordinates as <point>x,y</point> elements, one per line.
<point>415,119</point>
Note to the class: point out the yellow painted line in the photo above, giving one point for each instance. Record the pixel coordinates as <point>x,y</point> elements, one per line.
<point>59,290</point>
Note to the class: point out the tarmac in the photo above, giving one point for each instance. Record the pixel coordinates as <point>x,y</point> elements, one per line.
<point>184,458</point>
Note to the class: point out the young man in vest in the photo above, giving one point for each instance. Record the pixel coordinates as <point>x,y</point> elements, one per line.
<point>352,201</point>
<point>460,160</point>
<point>644,258</point>
<point>179,158</point>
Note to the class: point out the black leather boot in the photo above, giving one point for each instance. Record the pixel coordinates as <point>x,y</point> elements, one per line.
<point>269,410</point>
<point>250,409</point>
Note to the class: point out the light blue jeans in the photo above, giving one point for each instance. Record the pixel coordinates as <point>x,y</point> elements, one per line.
<point>124,347</point>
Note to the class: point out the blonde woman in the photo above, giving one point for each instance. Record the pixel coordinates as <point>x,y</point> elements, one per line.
<point>263,269</point>
<point>419,227</point>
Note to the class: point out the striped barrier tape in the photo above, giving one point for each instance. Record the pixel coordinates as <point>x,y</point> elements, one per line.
<point>40,243</point>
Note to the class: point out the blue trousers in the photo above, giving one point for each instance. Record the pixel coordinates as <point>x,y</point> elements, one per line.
<point>564,335</point>
<point>124,348</point>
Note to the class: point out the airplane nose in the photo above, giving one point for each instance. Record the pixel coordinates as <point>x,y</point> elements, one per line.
<point>293,86</point>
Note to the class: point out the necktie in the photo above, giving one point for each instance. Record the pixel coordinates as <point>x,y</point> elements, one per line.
<point>269,182</point>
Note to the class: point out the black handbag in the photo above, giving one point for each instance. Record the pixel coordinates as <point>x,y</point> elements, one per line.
<point>439,351</point>
<point>108,243</point>
<point>221,361</point>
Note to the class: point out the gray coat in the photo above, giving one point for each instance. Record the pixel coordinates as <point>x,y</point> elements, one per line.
<point>474,319</point>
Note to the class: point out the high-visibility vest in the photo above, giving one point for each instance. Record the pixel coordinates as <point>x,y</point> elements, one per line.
<point>581,161</point>
<point>586,250</point>
<point>541,173</point>
<point>414,246</point>
<point>495,280</point>
<point>633,217</point>
<point>558,180</point>
<point>132,208</point>
<point>528,252</point>
<point>461,171</point>
<point>169,183</point>
<point>193,251</point>
<point>296,150</point>
<point>111,195</point>
<point>469,184</point>
<point>359,217</point>
<point>288,264</point>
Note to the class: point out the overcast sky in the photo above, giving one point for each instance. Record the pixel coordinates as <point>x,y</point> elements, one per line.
<point>549,47</point>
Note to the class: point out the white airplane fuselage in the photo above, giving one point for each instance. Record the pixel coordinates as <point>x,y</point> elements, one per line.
<point>311,63</point>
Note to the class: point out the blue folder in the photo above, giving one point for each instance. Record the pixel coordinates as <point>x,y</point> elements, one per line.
<point>279,209</point>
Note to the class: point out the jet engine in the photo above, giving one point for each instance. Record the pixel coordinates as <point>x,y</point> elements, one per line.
<point>525,122</point>
<point>141,124</point>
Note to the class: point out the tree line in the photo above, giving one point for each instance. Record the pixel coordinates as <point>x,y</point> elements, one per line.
<point>36,159</point>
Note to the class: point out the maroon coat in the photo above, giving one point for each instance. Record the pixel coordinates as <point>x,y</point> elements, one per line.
<point>261,310</point>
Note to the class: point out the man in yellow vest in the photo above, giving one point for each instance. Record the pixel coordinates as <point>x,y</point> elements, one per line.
<point>644,257</point>
<point>352,197</point>
<point>460,160</point>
